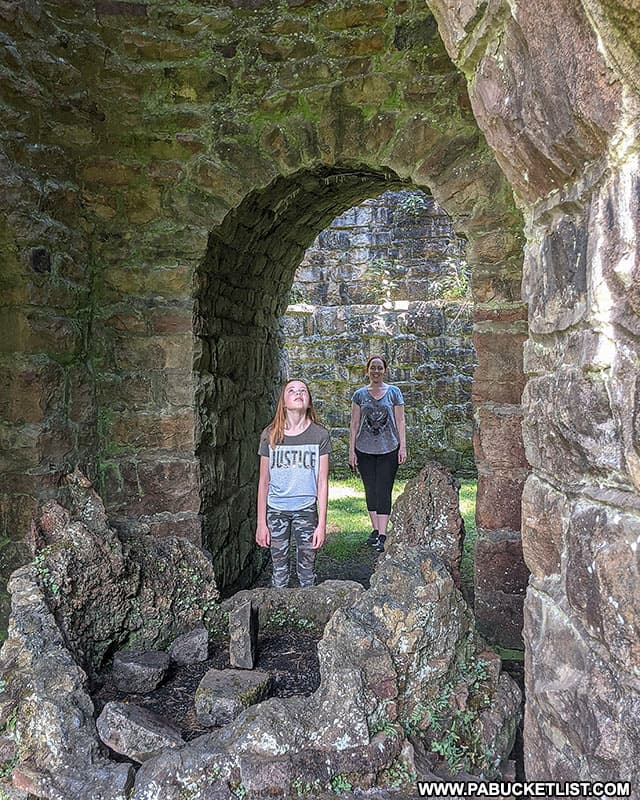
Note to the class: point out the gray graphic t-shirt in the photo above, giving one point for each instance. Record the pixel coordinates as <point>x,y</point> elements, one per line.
<point>377,432</point>
<point>294,466</point>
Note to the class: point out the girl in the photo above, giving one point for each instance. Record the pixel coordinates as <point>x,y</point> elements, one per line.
<point>293,484</point>
<point>377,444</point>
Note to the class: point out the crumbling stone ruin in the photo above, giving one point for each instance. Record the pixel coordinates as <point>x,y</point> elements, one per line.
<point>399,663</point>
<point>164,166</point>
<point>388,276</point>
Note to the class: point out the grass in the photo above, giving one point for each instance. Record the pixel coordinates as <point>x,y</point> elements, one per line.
<point>467,496</point>
<point>348,520</point>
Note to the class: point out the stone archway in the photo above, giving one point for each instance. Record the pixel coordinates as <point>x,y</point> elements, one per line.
<point>141,127</point>
<point>190,128</point>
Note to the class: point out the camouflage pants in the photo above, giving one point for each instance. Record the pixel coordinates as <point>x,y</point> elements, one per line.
<point>301,524</point>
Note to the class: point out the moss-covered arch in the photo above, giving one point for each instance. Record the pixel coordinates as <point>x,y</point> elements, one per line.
<point>166,123</point>
<point>243,284</point>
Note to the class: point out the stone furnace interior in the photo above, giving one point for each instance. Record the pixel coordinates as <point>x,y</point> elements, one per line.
<point>164,166</point>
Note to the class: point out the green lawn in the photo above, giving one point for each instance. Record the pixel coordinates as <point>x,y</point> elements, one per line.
<point>347,518</point>
<point>348,521</point>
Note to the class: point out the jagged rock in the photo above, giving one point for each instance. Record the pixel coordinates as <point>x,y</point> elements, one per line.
<point>191,647</point>
<point>243,636</point>
<point>109,594</point>
<point>427,513</point>
<point>403,651</point>
<point>136,732</point>
<point>297,608</point>
<point>224,693</point>
<point>139,672</point>
<point>412,641</point>
<point>49,705</point>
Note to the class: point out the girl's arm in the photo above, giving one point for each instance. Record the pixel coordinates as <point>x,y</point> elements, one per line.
<point>353,430</point>
<point>398,413</point>
<point>263,535</point>
<point>323,498</point>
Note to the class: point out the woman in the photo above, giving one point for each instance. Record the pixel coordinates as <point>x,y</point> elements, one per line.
<point>377,444</point>
<point>293,484</point>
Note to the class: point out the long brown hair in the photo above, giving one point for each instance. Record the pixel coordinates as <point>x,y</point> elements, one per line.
<point>276,429</point>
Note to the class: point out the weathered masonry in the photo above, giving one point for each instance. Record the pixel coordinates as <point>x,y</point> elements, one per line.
<point>388,276</point>
<point>165,166</point>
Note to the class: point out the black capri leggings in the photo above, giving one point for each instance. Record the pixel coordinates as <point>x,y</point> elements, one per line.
<point>378,474</point>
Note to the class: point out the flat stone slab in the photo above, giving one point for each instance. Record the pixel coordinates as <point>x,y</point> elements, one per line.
<point>191,647</point>
<point>223,694</point>
<point>243,636</point>
<point>138,672</point>
<point>136,732</point>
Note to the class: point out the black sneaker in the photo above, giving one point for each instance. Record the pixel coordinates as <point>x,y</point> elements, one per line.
<point>379,546</point>
<point>373,538</point>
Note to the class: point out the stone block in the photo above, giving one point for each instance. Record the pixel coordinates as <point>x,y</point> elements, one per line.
<point>545,517</point>
<point>136,732</point>
<point>186,526</point>
<point>120,283</point>
<point>139,672</point>
<point>355,47</point>
<point>243,636</point>
<point>151,487</point>
<point>356,15</point>
<point>191,647</point>
<point>562,132</point>
<point>223,694</point>
<point>498,437</point>
<point>601,575</point>
<point>152,431</point>
<point>499,375</point>
<point>555,276</point>
<point>499,617</point>
<point>108,172</point>
<point>569,425</point>
<point>499,500</point>
<point>578,705</point>
<point>33,390</point>
<point>128,392</point>
<point>499,565</point>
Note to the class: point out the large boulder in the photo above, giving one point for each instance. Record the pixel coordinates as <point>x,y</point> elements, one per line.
<point>136,732</point>
<point>47,706</point>
<point>86,594</point>
<point>109,593</point>
<point>427,513</point>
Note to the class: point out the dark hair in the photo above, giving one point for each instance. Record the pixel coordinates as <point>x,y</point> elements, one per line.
<point>373,358</point>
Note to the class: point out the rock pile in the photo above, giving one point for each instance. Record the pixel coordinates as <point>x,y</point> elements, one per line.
<point>402,671</point>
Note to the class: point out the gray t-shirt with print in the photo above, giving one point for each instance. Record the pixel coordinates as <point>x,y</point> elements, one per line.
<point>377,432</point>
<point>294,467</point>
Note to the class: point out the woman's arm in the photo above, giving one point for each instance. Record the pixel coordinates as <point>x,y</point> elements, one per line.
<point>353,430</point>
<point>263,535</point>
<point>323,498</point>
<point>398,413</point>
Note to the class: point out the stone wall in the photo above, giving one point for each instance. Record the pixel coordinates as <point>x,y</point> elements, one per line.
<point>175,163</point>
<point>555,88</point>
<point>388,277</point>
